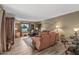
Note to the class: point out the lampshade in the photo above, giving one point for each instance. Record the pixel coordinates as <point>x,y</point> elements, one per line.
<point>16,28</point>
<point>76,29</point>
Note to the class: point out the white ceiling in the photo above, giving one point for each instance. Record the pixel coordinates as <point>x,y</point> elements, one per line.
<point>38,12</point>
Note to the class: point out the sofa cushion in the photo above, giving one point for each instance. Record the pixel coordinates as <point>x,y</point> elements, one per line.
<point>44,33</point>
<point>52,38</point>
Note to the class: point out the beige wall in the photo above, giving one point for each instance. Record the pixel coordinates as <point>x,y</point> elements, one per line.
<point>67,23</point>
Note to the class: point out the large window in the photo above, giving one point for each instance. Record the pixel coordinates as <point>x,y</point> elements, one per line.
<point>24,27</point>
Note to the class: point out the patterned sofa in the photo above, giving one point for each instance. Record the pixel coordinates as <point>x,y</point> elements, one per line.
<point>45,39</point>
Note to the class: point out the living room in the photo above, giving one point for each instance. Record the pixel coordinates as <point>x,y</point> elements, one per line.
<point>39,29</point>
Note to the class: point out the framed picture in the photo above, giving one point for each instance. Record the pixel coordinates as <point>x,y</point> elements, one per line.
<point>24,27</point>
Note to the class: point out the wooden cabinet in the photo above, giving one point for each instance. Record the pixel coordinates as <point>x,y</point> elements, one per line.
<point>17,29</point>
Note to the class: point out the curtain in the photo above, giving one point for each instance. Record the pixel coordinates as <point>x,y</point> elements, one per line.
<point>6,32</point>
<point>1,15</point>
<point>9,32</point>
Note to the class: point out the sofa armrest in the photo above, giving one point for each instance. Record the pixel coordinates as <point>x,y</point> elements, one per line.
<point>37,42</point>
<point>57,37</point>
<point>35,39</point>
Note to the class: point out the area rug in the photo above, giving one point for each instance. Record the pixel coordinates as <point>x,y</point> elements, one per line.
<point>28,41</point>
